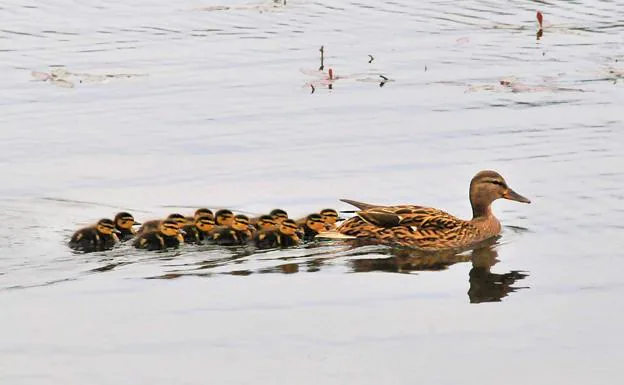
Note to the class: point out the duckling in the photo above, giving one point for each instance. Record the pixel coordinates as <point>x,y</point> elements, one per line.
<point>238,233</point>
<point>167,235</point>
<point>265,222</point>
<point>200,230</point>
<point>124,222</point>
<point>279,215</point>
<point>202,212</point>
<point>224,217</point>
<point>155,223</point>
<point>283,236</point>
<point>99,237</point>
<point>313,225</point>
<point>330,217</point>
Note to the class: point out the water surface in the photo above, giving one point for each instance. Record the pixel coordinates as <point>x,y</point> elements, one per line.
<point>177,105</point>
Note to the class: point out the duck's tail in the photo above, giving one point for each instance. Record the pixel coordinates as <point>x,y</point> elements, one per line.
<point>333,234</point>
<point>359,205</point>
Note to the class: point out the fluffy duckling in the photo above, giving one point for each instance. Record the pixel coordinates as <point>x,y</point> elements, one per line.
<point>238,233</point>
<point>202,212</point>
<point>313,225</point>
<point>155,223</point>
<point>167,235</point>
<point>123,223</point>
<point>330,217</point>
<point>224,217</point>
<point>283,236</point>
<point>265,222</point>
<point>200,230</point>
<point>99,237</point>
<point>279,215</point>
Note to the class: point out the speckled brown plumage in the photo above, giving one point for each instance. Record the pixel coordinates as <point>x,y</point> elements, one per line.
<point>429,228</point>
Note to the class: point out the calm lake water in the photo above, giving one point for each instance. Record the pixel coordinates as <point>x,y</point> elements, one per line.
<point>155,107</point>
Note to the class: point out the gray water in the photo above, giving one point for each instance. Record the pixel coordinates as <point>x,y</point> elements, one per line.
<point>178,105</point>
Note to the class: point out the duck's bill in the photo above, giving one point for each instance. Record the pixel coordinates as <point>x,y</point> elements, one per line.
<point>514,196</point>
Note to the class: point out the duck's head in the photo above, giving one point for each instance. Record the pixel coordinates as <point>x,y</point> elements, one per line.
<point>266,222</point>
<point>178,218</point>
<point>170,227</point>
<point>203,212</point>
<point>488,186</point>
<point>316,223</point>
<point>241,223</point>
<point>224,217</point>
<point>205,223</point>
<point>330,216</point>
<point>279,215</point>
<point>105,226</point>
<point>125,221</point>
<point>288,227</point>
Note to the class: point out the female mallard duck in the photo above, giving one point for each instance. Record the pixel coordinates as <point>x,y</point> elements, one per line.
<point>311,227</point>
<point>432,229</point>
<point>154,224</point>
<point>200,230</point>
<point>99,237</point>
<point>238,233</point>
<point>168,235</point>
<point>283,236</point>
<point>123,223</point>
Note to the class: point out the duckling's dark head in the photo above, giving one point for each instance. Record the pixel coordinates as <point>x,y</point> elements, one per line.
<point>125,220</point>
<point>288,227</point>
<point>205,223</point>
<point>241,223</point>
<point>224,217</point>
<point>279,215</point>
<point>203,212</point>
<point>330,216</point>
<point>266,222</point>
<point>315,222</point>
<point>105,226</point>
<point>488,186</point>
<point>179,219</point>
<point>170,227</point>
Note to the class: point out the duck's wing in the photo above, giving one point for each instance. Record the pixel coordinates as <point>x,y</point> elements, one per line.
<point>416,218</point>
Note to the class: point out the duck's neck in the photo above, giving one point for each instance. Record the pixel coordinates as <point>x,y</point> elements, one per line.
<point>480,210</point>
<point>484,219</point>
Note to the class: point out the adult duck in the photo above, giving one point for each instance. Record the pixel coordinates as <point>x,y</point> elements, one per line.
<point>429,228</point>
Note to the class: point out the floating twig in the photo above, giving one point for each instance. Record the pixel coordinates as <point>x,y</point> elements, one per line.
<point>371,58</point>
<point>322,58</point>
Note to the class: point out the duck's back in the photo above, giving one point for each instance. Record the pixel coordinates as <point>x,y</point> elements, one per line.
<point>413,226</point>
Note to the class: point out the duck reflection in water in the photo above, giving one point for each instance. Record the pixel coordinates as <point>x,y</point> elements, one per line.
<point>485,286</point>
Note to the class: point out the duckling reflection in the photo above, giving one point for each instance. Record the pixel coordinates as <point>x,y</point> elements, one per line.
<point>486,286</point>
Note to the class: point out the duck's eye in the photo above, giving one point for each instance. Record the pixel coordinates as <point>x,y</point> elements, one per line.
<point>498,182</point>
